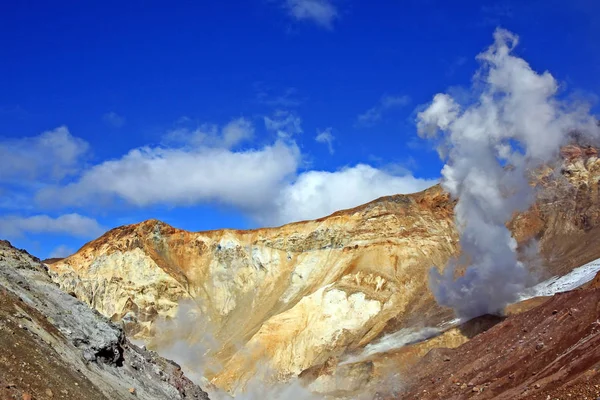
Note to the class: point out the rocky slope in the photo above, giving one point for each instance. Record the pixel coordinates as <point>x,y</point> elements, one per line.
<point>394,362</point>
<point>55,346</point>
<point>549,352</point>
<point>303,295</point>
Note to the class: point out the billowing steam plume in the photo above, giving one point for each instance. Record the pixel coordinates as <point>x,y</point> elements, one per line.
<point>515,123</point>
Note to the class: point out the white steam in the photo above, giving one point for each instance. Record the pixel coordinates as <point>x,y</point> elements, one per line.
<point>516,124</point>
<point>394,341</point>
<point>256,389</point>
<point>189,340</point>
<point>397,340</point>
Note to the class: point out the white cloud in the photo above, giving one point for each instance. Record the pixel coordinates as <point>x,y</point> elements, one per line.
<point>237,131</point>
<point>113,119</point>
<point>68,224</point>
<point>386,103</point>
<point>51,155</point>
<point>210,135</point>
<point>262,182</point>
<point>326,137</point>
<point>61,251</point>
<point>321,12</point>
<point>316,194</point>
<point>284,123</point>
<point>183,176</point>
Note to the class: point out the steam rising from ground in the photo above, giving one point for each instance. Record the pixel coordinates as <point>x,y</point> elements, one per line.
<point>516,124</point>
<point>259,390</point>
<point>399,339</point>
<point>189,340</point>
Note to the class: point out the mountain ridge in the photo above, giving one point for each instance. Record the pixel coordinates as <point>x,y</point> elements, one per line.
<point>252,284</point>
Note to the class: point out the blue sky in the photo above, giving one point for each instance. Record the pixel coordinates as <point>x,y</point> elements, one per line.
<point>241,114</point>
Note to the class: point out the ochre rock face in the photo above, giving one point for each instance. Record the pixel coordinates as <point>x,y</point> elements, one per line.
<point>295,295</point>
<point>299,295</point>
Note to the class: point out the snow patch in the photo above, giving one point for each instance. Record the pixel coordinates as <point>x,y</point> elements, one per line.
<point>558,284</point>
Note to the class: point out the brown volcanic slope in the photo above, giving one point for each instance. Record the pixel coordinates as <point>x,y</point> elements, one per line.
<point>304,293</point>
<point>549,352</point>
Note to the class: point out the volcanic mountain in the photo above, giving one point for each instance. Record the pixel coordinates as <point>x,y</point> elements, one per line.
<point>296,298</point>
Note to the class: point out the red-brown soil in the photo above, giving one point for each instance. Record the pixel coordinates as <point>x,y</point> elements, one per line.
<point>551,351</point>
